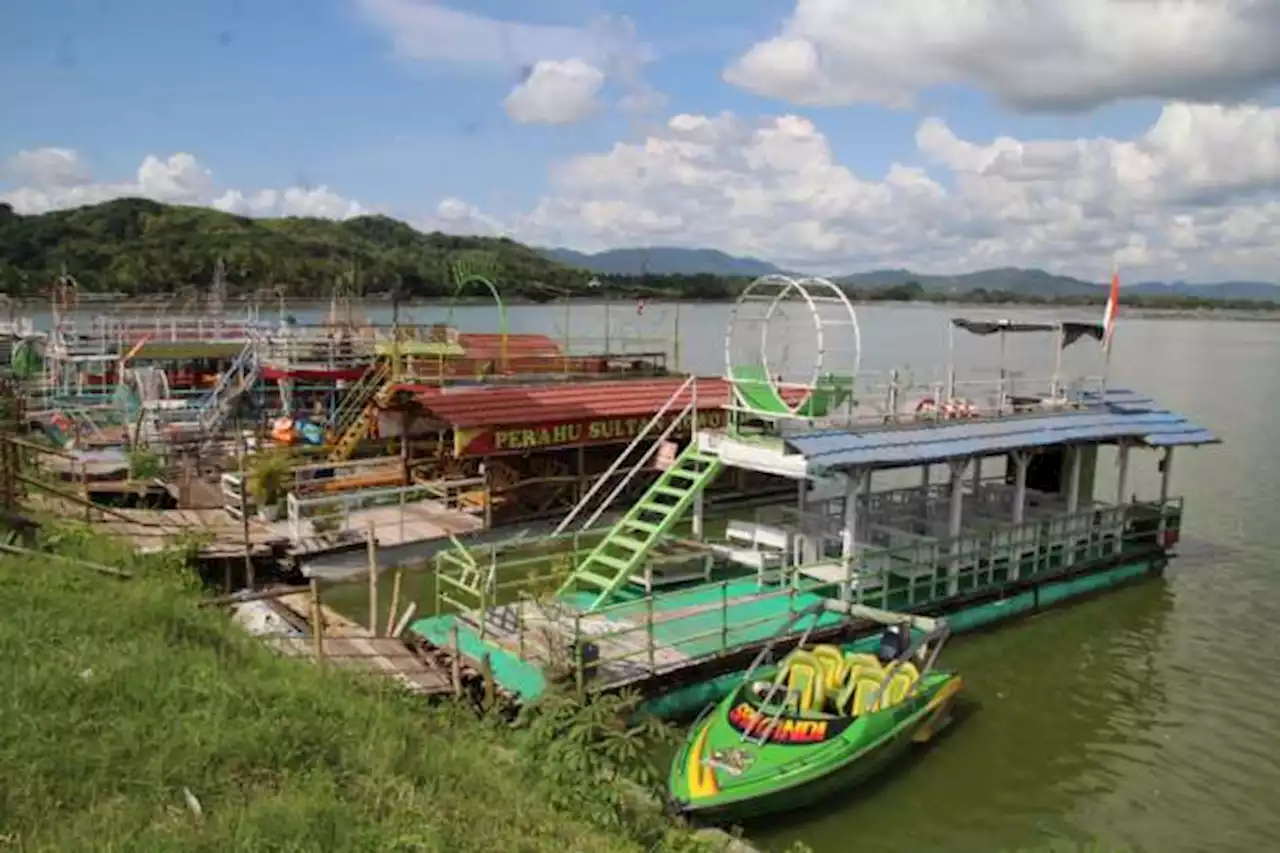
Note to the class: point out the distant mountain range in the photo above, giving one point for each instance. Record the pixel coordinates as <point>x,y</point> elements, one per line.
<point>667,260</point>
<point>662,260</point>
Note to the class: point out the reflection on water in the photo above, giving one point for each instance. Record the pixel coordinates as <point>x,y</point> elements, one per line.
<point>1145,719</point>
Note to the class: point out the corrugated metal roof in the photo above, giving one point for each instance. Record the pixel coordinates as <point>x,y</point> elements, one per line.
<point>528,404</point>
<point>1124,414</point>
<point>490,345</point>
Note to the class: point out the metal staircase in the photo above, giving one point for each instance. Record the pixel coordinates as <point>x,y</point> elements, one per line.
<point>213,410</point>
<point>627,544</point>
<point>359,409</point>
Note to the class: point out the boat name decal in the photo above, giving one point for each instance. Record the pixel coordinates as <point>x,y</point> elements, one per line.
<point>480,442</point>
<point>785,730</point>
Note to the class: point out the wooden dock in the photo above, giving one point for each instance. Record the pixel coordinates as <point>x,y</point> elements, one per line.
<point>385,656</point>
<point>350,645</point>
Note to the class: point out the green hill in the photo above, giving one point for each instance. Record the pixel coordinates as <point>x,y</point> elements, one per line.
<point>135,246</point>
<point>139,247</point>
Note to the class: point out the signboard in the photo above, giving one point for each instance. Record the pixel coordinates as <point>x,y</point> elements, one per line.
<point>489,441</point>
<point>787,730</point>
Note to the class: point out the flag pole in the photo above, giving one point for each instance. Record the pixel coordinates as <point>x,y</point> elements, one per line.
<point>1108,325</point>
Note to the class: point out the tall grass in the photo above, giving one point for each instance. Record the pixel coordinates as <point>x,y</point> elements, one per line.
<point>132,720</point>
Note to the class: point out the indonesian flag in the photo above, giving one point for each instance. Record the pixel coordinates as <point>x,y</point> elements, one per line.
<point>640,303</point>
<point>1113,305</point>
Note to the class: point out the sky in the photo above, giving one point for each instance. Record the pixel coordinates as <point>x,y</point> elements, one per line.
<point>827,136</point>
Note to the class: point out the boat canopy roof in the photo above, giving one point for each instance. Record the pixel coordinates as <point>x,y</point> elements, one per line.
<point>1104,418</point>
<point>1071,331</point>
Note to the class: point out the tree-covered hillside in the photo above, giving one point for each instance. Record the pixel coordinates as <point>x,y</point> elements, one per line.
<point>135,247</point>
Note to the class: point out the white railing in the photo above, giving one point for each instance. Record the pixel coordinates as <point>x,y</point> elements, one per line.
<point>690,385</point>
<point>339,509</point>
<point>898,397</point>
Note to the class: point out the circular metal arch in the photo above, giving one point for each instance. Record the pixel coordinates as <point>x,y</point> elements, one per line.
<point>762,300</point>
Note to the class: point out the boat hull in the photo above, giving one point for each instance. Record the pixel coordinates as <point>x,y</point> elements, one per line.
<point>706,794</point>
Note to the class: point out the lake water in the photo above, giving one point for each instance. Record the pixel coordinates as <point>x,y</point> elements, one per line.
<point>1145,720</point>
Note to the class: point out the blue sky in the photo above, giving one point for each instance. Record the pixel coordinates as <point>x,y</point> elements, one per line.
<point>304,93</point>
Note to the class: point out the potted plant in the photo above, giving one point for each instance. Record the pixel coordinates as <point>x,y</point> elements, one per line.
<point>268,474</point>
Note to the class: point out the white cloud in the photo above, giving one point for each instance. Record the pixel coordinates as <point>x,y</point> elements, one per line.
<point>49,167</point>
<point>1194,195</point>
<point>52,178</point>
<point>565,67</point>
<point>556,92</point>
<point>1031,54</point>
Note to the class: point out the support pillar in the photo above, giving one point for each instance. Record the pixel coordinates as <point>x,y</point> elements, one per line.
<point>1122,476</point>
<point>858,480</point>
<point>1021,460</point>
<point>1166,472</point>
<point>977,475</point>
<point>1073,480</point>
<point>956,523</point>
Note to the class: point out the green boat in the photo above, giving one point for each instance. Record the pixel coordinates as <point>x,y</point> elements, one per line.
<point>823,720</point>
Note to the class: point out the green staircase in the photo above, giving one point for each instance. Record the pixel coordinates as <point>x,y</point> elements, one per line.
<point>628,542</point>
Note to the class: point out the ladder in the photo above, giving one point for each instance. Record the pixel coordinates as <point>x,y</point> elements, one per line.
<point>629,542</point>
<point>213,410</point>
<point>359,409</point>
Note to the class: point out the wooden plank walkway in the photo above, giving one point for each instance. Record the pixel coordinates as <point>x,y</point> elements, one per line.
<point>385,656</point>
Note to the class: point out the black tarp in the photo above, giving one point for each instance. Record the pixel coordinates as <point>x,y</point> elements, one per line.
<point>1071,332</point>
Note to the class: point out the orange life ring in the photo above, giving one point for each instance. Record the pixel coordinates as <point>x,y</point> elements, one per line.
<point>61,421</point>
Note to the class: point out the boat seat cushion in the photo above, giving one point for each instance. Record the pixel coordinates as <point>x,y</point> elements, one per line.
<point>900,683</point>
<point>803,674</point>
<point>834,668</point>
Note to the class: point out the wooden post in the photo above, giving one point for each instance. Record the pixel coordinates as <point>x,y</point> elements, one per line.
<point>648,622</point>
<point>395,601</point>
<point>456,663</point>
<point>486,671</point>
<point>724,616</point>
<point>372,548</point>
<point>317,620</point>
<point>242,452</point>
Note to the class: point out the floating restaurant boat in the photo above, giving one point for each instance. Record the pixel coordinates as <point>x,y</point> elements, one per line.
<point>666,600</point>
<point>823,720</point>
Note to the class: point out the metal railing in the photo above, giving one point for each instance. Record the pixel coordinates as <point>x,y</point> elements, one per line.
<point>906,578</point>
<point>338,510</point>
<point>689,386</point>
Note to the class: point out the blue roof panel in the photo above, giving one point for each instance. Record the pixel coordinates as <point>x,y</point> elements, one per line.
<point>1120,414</point>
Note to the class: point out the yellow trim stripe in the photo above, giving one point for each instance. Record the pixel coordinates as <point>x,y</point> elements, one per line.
<point>702,779</point>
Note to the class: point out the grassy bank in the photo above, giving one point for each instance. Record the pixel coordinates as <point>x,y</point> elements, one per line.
<point>120,695</point>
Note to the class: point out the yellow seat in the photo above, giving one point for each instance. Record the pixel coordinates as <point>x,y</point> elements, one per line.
<point>834,668</point>
<point>856,663</point>
<point>804,676</point>
<point>865,693</point>
<point>904,677</point>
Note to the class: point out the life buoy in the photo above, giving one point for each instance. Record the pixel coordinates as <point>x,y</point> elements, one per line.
<point>956,409</point>
<point>927,406</point>
<point>61,421</point>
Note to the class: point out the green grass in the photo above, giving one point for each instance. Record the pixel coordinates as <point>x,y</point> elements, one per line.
<point>119,694</point>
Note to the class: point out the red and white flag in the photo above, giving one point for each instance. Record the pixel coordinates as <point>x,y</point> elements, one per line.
<point>1113,305</point>
<point>640,303</point>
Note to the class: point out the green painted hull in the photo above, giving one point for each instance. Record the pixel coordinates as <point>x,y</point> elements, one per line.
<point>784,776</point>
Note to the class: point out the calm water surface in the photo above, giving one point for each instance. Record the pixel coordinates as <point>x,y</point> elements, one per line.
<point>1146,720</point>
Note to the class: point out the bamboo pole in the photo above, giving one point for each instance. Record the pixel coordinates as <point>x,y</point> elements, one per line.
<point>456,662</point>
<point>486,671</point>
<point>395,600</point>
<point>372,549</point>
<point>317,622</point>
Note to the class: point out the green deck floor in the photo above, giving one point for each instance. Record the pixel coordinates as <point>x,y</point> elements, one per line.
<point>749,619</point>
